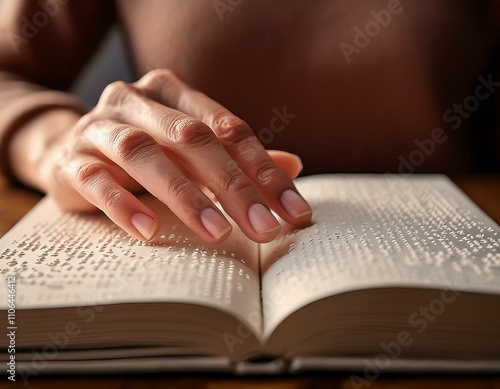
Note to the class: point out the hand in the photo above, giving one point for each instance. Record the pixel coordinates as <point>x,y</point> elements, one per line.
<point>160,135</point>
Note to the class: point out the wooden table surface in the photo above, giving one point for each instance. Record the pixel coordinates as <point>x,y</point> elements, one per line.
<point>15,202</point>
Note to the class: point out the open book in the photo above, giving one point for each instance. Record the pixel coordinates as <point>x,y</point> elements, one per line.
<point>402,273</point>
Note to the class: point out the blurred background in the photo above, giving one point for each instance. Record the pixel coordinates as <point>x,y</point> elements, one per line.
<point>108,64</point>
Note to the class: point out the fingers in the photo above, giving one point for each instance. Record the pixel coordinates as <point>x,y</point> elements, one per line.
<point>290,163</point>
<point>159,147</point>
<point>237,138</point>
<point>144,160</point>
<point>93,181</point>
<point>191,144</point>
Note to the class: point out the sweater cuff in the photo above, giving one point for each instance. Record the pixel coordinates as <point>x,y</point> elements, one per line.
<point>14,115</point>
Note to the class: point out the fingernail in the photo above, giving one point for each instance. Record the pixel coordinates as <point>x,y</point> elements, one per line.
<point>262,220</point>
<point>214,222</point>
<point>144,224</point>
<point>294,204</point>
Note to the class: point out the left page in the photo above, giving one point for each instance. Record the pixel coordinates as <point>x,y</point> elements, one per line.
<point>71,260</point>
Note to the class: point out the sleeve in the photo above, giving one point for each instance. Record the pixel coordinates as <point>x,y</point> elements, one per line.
<point>43,46</point>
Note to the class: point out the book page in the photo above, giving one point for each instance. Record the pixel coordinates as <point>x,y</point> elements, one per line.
<point>67,259</point>
<point>373,231</point>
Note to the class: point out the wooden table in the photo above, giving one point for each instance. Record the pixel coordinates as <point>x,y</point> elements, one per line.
<point>15,202</point>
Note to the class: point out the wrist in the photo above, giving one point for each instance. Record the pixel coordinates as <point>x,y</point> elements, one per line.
<point>33,148</point>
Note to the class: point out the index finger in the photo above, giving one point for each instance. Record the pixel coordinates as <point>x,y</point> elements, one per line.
<point>274,185</point>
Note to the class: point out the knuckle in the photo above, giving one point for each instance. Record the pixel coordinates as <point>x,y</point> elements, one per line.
<point>87,178</point>
<point>191,132</point>
<point>162,76</point>
<point>235,183</point>
<point>162,85</point>
<point>87,173</point>
<point>116,93</point>
<point>158,77</point>
<point>128,143</point>
<point>113,198</point>
<point>233,130</point>
<point>267,172</point>
<point>180,187</point>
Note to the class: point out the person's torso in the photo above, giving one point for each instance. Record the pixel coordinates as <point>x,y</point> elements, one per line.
<point>364,83</point>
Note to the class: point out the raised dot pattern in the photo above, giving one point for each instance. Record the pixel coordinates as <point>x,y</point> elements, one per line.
<point>374,231</point>
<point>65,259</point>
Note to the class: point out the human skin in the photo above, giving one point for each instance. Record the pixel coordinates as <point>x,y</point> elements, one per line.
<point>160,135</point>
<point>347,116</point>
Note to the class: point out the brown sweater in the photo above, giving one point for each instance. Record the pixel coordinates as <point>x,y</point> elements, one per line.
<point>348,85</point>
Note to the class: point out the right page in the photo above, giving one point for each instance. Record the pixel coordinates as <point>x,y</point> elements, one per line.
<point>379,231</point>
